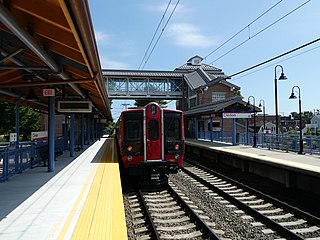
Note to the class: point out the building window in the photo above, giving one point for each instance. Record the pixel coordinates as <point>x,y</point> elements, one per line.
<point>217,96</point>
<point>193,102</point>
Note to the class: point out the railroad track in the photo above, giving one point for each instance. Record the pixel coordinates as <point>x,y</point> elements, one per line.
<point>168,214</point>
<point>274,217</point>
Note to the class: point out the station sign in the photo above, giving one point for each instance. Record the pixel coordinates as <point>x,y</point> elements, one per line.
<point>48,92</point>
<point>236,115</point>
<point>37,136</point>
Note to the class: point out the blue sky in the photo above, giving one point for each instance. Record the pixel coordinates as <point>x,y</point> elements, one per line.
<point>124,30</point>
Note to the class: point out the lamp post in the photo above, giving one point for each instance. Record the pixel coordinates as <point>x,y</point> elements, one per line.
<point>282,77</point>
<point>254,120</point>
<point>293,96</point>
<point>264,113</point>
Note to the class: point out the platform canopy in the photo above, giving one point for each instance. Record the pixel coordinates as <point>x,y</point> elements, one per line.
<point>50,45</point>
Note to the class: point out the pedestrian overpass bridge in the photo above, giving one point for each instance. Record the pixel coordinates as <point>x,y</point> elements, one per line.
<point>135,84</point>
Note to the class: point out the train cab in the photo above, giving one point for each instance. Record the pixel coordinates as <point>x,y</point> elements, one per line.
<point>151,141</point>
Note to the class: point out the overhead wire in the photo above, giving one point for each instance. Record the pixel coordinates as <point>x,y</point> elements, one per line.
<point>248,26</point>
<point>155,33</point>
<point>298,54</point>
<point>274,58</point>
<point>154,46</point>
<point>240,44</point>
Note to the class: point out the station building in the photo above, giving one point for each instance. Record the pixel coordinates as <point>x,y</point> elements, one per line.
<point>208,100</point>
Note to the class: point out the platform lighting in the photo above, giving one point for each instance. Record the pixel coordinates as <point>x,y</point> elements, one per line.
<point>282,77</point>
<point>293,96</point>
<point>264,113</point>
<point>254,120</point>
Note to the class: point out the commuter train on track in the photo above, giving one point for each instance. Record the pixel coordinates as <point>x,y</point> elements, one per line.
<point>151,142</point>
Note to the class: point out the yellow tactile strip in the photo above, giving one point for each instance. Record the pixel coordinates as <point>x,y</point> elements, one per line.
<point>102,216</point>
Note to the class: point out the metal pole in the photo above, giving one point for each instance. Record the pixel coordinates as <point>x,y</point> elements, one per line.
<point>276,103</point>
<point>51,134</point>
<point>82,130</point>
<point>254,120</point>
<point>300,127</point>
<point>254,130</point>
<point>71,146</point>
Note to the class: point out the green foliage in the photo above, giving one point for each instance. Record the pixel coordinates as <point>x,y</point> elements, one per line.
<point>29,120</point>
<point>309,133</point>
<point>7,118</point>
<point>293,132</point>
<point>143,102</point>
<point>238,93</point>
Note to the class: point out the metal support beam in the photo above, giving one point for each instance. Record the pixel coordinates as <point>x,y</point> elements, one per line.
<point>88,129</point>
<point>71,146</point>
<point>27,39</point>
<point>92,128</point>
<point>17,120</point>
<point>51,134</point>
<point>234,131</point>
<point>11,55</point>
<point>82,130</point>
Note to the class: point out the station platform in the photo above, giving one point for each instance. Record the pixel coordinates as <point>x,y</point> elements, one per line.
<point>82,199</point>
<point>292,169</point>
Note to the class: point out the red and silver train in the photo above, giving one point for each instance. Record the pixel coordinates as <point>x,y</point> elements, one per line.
<point>151,141</point>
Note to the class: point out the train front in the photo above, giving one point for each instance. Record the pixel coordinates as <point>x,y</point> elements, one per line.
<point>152,142</point>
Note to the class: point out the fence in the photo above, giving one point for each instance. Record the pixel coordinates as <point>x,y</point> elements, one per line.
<point>285,142</point>
<point>15,159</point>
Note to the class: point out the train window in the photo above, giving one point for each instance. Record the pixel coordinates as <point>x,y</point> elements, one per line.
<point>172,126</point>
<point>133,130</point>
<point>153,130</point>
<point>133,126</point>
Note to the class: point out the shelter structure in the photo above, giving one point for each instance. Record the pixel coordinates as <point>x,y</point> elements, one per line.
<point>49,55</point>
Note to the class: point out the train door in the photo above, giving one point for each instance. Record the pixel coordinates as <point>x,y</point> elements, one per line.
<point>153,133</point>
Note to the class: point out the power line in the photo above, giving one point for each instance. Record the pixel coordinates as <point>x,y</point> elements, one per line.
<point>274,58</point>
<point>240,44</point>
<point>161,33</point>
<point>243,29</point>
<point>298,54</point>
<point>163,15</point>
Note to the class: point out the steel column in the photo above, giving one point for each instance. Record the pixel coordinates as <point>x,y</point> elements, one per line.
<point>51,134</point>
<point>82,130</point>
<point>71,145</point>
<point>234,131</point>
<point>88,129</point>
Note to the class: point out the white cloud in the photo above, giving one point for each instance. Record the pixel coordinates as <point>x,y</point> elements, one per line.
<point>161,8</point>
<point>112,64</point>
<point>188,35</point>
<point>101,37</point>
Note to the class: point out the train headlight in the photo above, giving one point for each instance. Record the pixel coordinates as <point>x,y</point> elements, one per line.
<point>176,147</point>
<point>129,148</point>
<point>129,158</point>
<point>176,157</point>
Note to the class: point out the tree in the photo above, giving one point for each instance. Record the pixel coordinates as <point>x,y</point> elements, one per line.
<point>7,118</point>
<point>238,93</point>
<point>143,102</point>
<point>29,120</point>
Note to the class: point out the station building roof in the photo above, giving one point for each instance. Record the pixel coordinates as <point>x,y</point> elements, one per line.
<point>234,104</point>
<point>50,44</point>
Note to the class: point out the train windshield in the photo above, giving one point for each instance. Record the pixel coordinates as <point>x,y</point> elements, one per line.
<point>133,126</point>
<point>172,125</point>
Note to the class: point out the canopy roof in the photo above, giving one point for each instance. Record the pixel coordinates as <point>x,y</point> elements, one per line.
<point>50,44</point>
